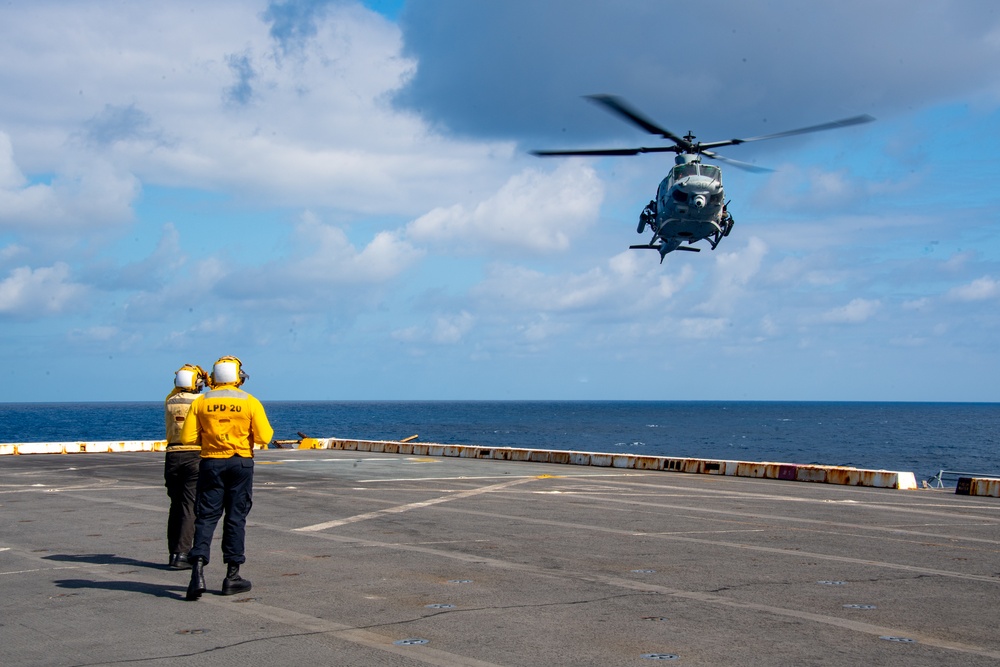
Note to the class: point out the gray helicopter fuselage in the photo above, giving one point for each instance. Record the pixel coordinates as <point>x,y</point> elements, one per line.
<point>689,203</point>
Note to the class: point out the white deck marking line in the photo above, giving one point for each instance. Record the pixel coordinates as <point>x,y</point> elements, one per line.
<point>410,506</point>
<point>454,478</point>
<point>302,625</point>
<point>678,537</point>
<point>349,460</point>
<point>114,501</point>
<point>883,506</point>
<point>44,569</point>
<point>314,625</point>
<point>38,487</point>
<point>647,587</point>
<point>774,517</point>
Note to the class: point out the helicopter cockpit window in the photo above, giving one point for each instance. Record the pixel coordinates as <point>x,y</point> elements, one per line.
<point>710,171</point>
<point>682,170</point>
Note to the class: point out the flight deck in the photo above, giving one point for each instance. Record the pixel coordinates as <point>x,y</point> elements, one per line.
<point>364,558</point>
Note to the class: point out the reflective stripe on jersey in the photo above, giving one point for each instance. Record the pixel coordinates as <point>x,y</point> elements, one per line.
<point>226,421</point>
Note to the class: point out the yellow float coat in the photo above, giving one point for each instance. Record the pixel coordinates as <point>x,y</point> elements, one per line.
<point>226,421</point>
<point>175,409</point>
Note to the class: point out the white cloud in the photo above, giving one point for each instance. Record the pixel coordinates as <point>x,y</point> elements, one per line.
<point>739,266</point>
<point>199,96</point>
<point>99,334</point>
<point>980,289</point>
<point>857,311</point>
<point>909,341</point>
<point>406,335</point>
<point>216,126</point>
<point>670,285</point>
<point>769,327</point>
<point>794,187</point>
<point>445,329</point>
<point>33,293</point>
<point>534,210</point>
<point>326,256</point>
<point>151,272</point>
<point>323,267</point>
<point>89,193</point>
<point>541,328</point>
<point>959,261</point>
<point>699,328</point>
<point>517,288</point>
<point>732,273</point>
<point>919,304</point>
<point>11,251</point>
<point>11,177</point>
<point>451,329</point>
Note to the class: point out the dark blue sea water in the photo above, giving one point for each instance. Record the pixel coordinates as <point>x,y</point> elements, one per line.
<point>919,437</point>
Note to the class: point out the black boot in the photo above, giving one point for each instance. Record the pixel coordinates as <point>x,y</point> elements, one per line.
<point>197,585</point>
<point>234,583</point>
<point>180,562</point>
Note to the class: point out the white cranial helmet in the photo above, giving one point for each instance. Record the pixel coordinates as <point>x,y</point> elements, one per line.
<point>190,377</point>
<point>228,370</point>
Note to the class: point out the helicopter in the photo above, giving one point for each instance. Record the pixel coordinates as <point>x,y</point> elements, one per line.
<point>690,203</point>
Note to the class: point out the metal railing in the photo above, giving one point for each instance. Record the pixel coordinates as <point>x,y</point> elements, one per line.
<point>937,481</point>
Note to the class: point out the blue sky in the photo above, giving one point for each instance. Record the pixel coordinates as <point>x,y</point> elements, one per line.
<point>341,194</point>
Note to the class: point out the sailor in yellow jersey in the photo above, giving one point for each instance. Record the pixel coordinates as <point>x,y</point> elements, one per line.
<point>180,466</point>
<point>227,422</point>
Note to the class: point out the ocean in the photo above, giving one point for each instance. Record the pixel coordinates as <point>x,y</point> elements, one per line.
<point>923,438</point>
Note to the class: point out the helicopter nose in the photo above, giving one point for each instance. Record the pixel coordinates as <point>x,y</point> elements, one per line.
<point>699,201</point>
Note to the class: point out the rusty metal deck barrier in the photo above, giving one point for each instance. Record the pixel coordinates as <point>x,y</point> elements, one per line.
<point>762,470</point>
<point>978,486</point>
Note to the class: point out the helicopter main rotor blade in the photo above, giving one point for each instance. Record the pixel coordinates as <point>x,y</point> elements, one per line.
<point>745,166</point>
<point>844,122</point>
<point>618,106</point>
<point>597,152</point>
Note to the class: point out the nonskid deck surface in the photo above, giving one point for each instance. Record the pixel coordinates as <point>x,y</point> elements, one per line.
<point>381,559</point>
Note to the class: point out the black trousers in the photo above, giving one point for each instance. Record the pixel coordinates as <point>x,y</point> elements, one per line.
<point>224,485</point>
<point>180,474</point>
